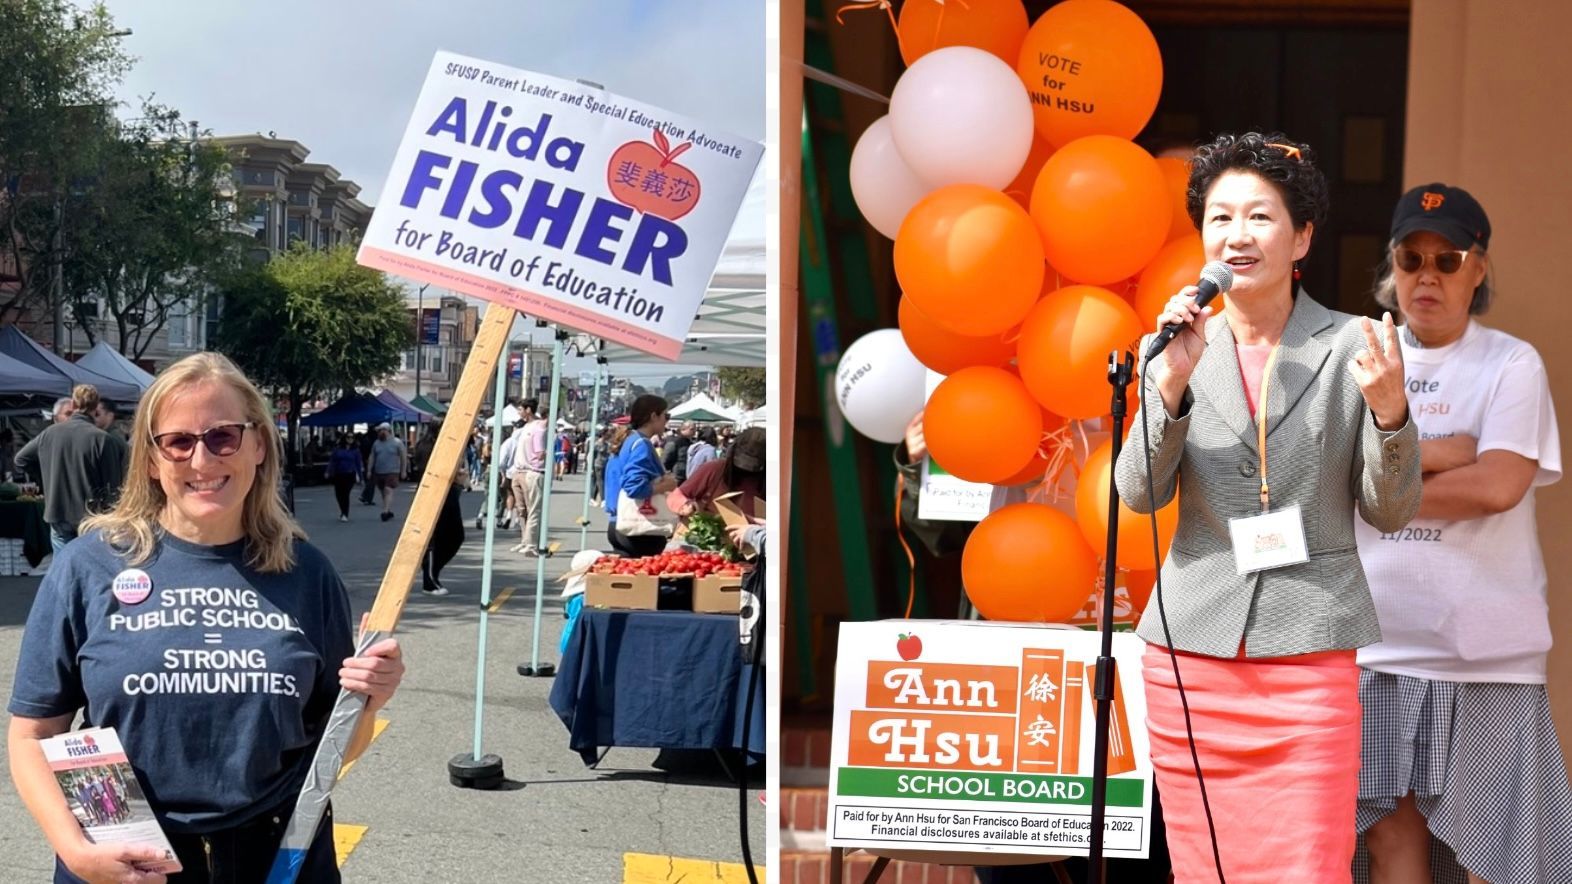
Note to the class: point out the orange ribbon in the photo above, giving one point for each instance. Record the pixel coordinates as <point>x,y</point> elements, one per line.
<point>911,561</point>
<point>870,4</point>
<point>1058,450</point>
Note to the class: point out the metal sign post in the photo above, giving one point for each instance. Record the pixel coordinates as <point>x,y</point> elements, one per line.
<point>535,668</point>
<point>589,474</point>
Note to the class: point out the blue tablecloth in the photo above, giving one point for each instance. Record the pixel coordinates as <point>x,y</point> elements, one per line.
<point>655,679</point>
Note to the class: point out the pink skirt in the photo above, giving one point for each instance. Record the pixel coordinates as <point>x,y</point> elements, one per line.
<point>1278,741</point>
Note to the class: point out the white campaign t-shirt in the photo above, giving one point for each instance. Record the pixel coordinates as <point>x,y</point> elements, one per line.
<point>1464,601</point>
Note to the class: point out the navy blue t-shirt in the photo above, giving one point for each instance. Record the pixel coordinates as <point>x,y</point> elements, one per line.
<point>219,682</point>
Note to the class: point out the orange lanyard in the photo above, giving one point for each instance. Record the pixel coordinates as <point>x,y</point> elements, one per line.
<point>1260,423</point>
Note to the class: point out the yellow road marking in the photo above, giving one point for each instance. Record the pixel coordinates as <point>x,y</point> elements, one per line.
<point>345,837</point>
<point>376,731</point>
<point>496,603</point>
<point>646,868</point>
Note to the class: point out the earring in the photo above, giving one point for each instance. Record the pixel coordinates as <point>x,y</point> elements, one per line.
<point>1298,275</point>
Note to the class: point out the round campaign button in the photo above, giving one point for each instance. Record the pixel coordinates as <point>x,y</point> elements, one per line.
<point>132,586</point>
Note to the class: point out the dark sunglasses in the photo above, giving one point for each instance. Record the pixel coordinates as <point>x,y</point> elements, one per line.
<point>221,441</point>
<point>1413,260</point>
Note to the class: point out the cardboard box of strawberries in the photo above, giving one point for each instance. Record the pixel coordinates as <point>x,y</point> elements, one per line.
<point>675,580</point>
<point>668,564</point>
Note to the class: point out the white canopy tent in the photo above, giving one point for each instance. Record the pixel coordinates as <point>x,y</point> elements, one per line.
<point>703,408</point>
<point>510,416</point>
<point>729,329</point>
<point>756,418</point>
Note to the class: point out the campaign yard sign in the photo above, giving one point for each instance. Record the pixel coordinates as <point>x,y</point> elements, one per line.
<point>975,737</point>
<point>560,200</point>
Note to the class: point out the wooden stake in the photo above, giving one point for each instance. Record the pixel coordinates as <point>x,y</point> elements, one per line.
<point>479,372</point>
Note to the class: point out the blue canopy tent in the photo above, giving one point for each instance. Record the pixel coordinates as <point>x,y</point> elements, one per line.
<point>407,413</point>
<point>24,349</point>
<point>356,408</point>
<point>364,408</point>
<point>19,379</point>
<point>110,363</point>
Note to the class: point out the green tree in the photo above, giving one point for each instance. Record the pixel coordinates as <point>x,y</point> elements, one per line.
<point>310,321</point>
<point>153,230</point>
<point>58,67</point>
<point>742,383</point>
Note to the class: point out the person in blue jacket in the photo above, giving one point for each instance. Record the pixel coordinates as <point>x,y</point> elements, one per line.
<point>636,471</point>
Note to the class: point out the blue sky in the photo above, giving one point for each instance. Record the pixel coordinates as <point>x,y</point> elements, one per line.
<point>341,77</point>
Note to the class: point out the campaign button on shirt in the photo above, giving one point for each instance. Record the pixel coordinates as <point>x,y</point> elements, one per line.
<point>132,586</point>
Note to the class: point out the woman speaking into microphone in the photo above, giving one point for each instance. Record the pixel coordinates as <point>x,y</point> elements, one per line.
<point>1279,418</point>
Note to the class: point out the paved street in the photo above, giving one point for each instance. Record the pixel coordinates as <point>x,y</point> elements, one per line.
<point>554,820</point>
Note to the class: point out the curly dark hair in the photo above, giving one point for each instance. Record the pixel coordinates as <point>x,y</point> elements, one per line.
<point>1289,165</point>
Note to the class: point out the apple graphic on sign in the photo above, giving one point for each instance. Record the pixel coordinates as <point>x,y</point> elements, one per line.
<point>908,646</point>
<point>642,175</point>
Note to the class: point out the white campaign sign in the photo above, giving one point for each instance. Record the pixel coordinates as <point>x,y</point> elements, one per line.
<point>976,737</point>
<point>563,201</point>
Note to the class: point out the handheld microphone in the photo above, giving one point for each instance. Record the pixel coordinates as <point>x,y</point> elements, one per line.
<point>1216,278</point>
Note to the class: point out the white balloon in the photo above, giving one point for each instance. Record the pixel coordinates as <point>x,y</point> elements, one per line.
<point>880,385</point>
<point>962,116</point>
<point>884,187</point>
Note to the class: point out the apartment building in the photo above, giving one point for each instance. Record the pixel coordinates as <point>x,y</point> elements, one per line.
<point>287,199</point>
<point>441,356</point>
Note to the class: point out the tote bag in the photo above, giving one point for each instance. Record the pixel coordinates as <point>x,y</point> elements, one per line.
<point>632,523</point>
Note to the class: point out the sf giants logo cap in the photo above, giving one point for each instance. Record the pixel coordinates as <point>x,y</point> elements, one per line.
<point>1441,208</point>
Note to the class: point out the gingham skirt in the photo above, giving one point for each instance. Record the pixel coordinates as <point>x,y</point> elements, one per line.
<point>1485,768</point>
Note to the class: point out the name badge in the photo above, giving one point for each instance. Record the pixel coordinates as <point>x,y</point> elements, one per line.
<point>1269,541</point>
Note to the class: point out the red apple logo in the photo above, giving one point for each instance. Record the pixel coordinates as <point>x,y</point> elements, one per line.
<point>908,646</point>
<point>643,176</point>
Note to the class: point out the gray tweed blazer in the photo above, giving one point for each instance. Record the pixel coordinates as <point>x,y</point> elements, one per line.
<point>1324,453</point>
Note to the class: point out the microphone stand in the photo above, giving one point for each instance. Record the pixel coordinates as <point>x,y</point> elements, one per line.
<point>1120,368</point>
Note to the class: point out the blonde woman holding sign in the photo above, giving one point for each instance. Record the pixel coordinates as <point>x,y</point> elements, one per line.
<point>197,621</point>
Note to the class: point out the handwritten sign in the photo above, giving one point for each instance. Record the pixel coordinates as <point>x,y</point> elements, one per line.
<point>563,201</point>
<point>978,737</point>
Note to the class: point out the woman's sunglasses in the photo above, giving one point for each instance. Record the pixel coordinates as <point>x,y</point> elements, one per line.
<point>1413,260</point>
<point>221,441</point>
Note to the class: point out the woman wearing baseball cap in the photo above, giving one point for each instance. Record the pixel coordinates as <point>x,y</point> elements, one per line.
<point>1458,739</point>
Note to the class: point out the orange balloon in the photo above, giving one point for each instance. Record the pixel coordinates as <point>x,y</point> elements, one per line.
<point>1092,68</point>
<point>996,26</point>
<point>1037,467</point>
<point>1138,584</point>
<point>1177,173</point>
<point>1176,266</point>
<point>944,351</point>
<point>1020,189</point>
<point>1064,347</point>
<point>1135,532</point>
<point>970,258</point>
<point>1101,205</point>
<point>1027,562</point>
<point>981,425</point>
